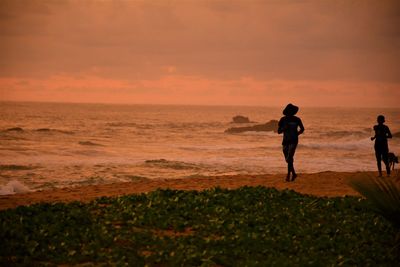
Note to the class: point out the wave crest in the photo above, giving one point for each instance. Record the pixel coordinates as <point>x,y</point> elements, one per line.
<point>12,167</point>
<point>13,187</point>
<point>338,145</point>
<point>49,130</point>
<point>89,143</point>
<point>171,164</point>
<point>344,134</point>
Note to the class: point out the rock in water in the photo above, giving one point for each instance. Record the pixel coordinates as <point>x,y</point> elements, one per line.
<point>43,130</point>
<point>272,125</point>
<point>15,129</point>
<point>240,119</point>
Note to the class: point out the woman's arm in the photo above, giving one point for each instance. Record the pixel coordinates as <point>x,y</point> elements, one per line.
<point>281,127</point>
<point>301,128</point>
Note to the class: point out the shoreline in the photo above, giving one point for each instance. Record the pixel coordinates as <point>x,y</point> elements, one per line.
<point>322,184</point>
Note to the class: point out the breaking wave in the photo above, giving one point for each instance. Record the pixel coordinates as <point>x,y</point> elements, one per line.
<point>13,167</point>
<point>361,144</point>
<point>48,130</point>
<point>40,130</point>
<point>13,187</point>
<point>344,134</point>
<point>122,124</point>
<point>89,143</point>
<point>171,164</point>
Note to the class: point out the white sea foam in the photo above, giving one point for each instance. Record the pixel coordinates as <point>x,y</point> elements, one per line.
<point>13,187</point>
<point>231,147</point>
<point>336,145</point>
<point>259,133</point>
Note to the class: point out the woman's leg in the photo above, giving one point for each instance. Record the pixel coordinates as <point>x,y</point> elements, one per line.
<point>289,151</point>
<point>292,151</point>
<point>286,154</point>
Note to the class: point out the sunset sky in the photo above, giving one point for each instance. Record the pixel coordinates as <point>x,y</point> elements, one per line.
<point>217,52</point>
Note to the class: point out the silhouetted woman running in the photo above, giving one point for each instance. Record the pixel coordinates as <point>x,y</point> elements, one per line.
<point>291,127</point>
<point>382,133</point>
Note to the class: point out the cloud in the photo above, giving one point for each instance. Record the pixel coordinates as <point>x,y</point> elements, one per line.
<point>220,41</point>
<point>177,89</point>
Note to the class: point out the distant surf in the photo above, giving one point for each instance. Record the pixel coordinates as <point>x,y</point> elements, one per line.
<point>46,145</point>
<point>89,143</point>
<point>177,165</point>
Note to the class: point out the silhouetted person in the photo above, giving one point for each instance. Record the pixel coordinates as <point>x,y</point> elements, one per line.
<point>291,127</point>
<point>382,133</point>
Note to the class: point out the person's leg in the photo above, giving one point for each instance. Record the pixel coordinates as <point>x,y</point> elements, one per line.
<point>289,170</point>
<point>294,175</point>
<point>286,154</point>
<point>378,161</point>
<point>385,159</point>
<point>291,152</point>
<point>290,167</point>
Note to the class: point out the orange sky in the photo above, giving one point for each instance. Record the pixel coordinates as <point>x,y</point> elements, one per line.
<point>235,52</point>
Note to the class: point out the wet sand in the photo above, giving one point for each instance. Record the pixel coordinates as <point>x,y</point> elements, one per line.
<point>324,184</point>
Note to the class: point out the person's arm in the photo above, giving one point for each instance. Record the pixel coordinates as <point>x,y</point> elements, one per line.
<point>388,134</point>
<point>374,137</point>
<point>301,127</point>
<point>280,126</point>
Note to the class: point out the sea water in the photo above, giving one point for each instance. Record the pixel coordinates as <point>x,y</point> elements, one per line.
<point>47,145</point>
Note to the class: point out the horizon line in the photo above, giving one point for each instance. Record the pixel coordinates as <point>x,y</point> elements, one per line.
<point>180,104</point>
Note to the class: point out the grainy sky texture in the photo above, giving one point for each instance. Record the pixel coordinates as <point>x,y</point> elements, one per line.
<point>235,52</point>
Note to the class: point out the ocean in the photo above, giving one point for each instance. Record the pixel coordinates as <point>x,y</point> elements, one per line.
<point>48,145</point>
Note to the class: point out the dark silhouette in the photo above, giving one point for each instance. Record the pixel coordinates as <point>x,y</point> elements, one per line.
<point>393,159</point>
<point>240,119</point>
<point>269,126</point>
<point>382,133</point>
<point>289,125</point>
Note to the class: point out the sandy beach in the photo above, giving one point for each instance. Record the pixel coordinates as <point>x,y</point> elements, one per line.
<point>323,184</point>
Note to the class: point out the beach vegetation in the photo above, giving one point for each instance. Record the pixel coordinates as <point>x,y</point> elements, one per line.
<point>249,226</point>
<point>382,193</point>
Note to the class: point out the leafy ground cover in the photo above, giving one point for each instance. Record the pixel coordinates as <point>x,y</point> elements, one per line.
<point>250,226</point>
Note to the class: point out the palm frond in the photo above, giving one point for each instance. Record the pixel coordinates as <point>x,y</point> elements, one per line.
<point>382,192</point>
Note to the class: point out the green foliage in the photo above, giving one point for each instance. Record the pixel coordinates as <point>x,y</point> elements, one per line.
<point>383,193</point>
<point>250,226</point>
